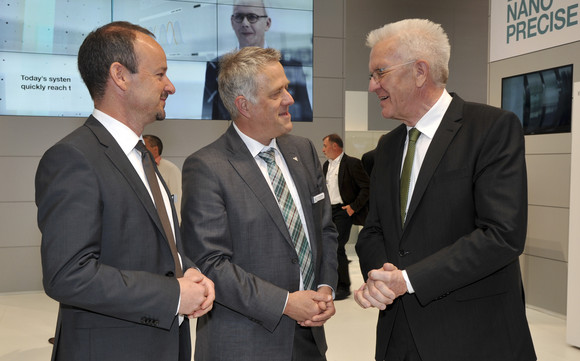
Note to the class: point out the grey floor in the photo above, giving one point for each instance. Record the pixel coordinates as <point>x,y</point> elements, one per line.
<point>27,321</point>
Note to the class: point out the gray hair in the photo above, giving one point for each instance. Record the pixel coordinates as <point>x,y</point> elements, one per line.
<point>418,39</point>
<point>238,73</point>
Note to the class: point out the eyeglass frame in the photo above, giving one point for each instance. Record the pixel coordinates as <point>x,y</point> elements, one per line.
<point>378,74</point>
<point>247,16</point>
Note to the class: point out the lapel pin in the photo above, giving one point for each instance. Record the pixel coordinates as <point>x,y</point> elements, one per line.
<point>295,158</point>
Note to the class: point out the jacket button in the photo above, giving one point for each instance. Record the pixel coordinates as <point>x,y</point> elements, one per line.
<point>403,253</point>
<point>294,260</point>
<point>170,274</point>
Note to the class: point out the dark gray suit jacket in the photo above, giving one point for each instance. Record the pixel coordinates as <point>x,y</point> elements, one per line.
<point>464,232</point>
<point>234,229</point>
<point>104,253</point>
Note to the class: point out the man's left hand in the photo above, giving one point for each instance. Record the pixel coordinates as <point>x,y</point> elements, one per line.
<point>348,210</point>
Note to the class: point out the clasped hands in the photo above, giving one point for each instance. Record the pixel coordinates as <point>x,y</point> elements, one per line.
<point>310,308</point>
<point>383,286</point>
<point>197,294</point>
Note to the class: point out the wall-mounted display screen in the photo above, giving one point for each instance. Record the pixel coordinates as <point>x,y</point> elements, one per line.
<point>40,40</point>
<point>541,99</point>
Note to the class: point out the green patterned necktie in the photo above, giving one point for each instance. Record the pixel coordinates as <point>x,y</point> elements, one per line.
<point>291,217</point>
<point>406,173</point>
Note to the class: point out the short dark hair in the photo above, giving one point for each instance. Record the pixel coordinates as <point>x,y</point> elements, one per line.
<point>104,46</point>
<point>335,138</point>
<point>155,140</point>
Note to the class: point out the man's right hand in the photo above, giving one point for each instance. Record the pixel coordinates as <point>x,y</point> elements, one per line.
<point>303,305</point>
<point>197,293</point>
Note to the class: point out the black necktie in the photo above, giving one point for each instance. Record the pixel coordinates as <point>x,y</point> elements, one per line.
<point>149,168</point>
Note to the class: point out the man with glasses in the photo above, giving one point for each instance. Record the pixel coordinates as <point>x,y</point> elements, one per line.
<point>250,23</point>
<point>448,211</point>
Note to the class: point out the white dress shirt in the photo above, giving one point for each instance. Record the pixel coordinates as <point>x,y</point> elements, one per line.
<point>332,180</point>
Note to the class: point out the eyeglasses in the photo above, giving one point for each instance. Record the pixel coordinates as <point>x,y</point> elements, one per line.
<point>252,18</point>
<point>380,73</point>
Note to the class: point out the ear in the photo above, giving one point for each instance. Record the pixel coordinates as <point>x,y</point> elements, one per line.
<point>421,72</point>
<point>119,75</point>
<point>243,105</point>
<point>268,23</point>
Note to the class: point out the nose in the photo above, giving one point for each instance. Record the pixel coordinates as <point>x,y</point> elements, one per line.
<point>373,85</point>
<point>170,88</point>
<point>288,99</point>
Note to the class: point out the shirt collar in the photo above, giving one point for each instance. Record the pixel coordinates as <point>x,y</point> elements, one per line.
<point>124,136</point>
<point>337,159</point>
<point>429,123</point>
<point>253,145</point>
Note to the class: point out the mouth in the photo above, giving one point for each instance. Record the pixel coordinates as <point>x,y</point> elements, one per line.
<point>385,97</point>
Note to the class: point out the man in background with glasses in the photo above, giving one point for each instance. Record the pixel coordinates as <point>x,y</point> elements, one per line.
<point>448,211</point>
<point>250,22</point>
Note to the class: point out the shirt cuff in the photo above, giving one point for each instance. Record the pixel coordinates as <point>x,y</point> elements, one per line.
<point>328,287</point>
<point>409,286</point>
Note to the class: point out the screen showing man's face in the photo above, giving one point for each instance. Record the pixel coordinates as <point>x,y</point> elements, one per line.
<point>248,33</point>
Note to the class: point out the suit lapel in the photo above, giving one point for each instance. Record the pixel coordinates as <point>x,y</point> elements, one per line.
<point>394,177</point>
<point>443,136</point>
<point>245,165</point>
<point>341,171</point>
<point>122,163</point>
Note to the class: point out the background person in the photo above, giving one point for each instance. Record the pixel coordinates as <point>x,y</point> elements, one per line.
<point>273,261</point>
<point>250,22</point>
<point>448,211</point>
<point>105,256</point>
<point>348,187</point>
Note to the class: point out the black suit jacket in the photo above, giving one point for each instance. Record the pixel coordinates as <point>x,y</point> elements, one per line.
<point>104,254</point>
<point>301,110</point>
<point>464,232</point>
<point>368,161</point>
<point>353,184</point>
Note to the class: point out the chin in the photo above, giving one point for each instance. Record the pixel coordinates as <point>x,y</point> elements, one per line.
<point>160,116</point>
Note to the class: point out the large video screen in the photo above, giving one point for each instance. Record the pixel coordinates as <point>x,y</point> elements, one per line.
<point>541,99</point>
<point>40,40</point>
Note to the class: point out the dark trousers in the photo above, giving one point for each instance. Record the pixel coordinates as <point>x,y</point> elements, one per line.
<point>401,345</point>
<point>343,223</point>
<point>184,341</point>
<point>305,348</point>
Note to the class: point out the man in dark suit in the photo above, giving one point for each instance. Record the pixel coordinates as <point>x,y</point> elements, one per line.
<point>368,160</point>
<point>257,220</point>
<point>448,211</point>
<point>106,257</point>
<point>250,22</point>
<point>348,187</point>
